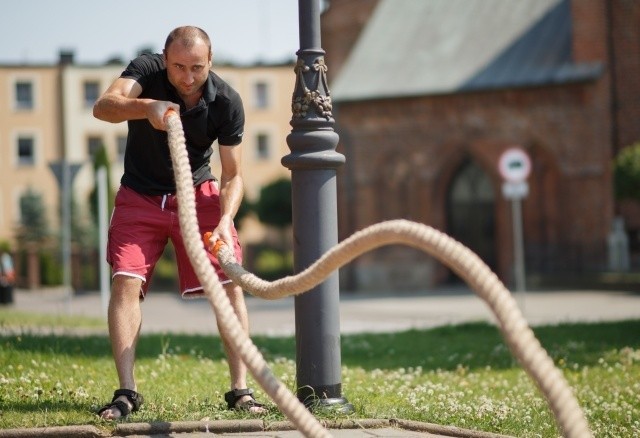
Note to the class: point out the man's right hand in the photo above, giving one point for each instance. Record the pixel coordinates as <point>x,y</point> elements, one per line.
<point>157,111</point>
<point>122,102</point>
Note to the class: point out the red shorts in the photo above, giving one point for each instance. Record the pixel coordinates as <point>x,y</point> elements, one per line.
<point>141,226</point>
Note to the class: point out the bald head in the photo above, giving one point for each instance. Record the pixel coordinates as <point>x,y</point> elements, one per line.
<point>187,36</point>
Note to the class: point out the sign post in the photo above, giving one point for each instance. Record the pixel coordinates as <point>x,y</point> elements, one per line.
<point>515,166</point>
<point>65,173</point>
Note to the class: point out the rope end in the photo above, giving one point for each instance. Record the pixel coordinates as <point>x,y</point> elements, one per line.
<point>219,244</point>
<point>215,248</point>
<point>170,112</point>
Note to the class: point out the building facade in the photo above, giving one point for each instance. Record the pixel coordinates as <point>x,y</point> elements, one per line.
<point>29,141</point>
<point>428,95</point>
<point>46,116</point>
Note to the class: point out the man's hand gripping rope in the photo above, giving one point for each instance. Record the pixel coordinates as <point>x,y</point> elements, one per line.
<point>212,247</point>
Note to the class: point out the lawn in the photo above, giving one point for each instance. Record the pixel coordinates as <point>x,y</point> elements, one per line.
<point>461,375</point>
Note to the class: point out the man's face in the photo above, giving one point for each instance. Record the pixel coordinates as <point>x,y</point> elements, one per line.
<point>188,67</point>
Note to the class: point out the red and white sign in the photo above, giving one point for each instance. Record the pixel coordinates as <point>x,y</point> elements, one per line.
<point>514,165</point>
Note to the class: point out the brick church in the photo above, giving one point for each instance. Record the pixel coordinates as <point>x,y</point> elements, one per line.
<point>428,94</point>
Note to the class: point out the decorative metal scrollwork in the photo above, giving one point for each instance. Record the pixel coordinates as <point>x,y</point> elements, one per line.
<point>317,98</point>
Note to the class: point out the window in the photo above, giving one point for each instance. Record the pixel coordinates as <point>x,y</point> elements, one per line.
<point>24,95</point>
<point>26,151</point>
<point>261,95</point>
<point>94,144</point>
<point>91,93</point>
<point>122,146</point>
<point>262,146</point>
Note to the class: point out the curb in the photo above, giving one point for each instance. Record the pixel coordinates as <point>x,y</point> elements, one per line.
<point>53,432</point>
<point>235,426</point>
<point>437,429</point>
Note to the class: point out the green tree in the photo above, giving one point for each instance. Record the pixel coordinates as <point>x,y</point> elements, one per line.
<point>33,226</point>
<point>83,231</point>
<point>626,173</point>
<point>245,208</point>
<point>274,206</point>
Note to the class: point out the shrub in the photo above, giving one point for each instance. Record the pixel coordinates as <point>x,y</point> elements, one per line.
<point>626,173</point>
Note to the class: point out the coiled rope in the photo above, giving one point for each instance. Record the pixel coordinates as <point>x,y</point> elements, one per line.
<point>515,330</point>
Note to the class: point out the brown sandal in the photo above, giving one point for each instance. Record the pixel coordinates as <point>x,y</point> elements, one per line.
<point>133,397</point>
<point>234,395</point>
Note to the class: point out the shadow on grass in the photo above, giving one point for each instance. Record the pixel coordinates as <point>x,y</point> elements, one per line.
<point>150,345</point>
<point>474,345</point>
<point>49,406</point>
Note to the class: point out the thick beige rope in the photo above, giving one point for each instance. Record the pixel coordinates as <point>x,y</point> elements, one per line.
<point>519,337</point>
<point>306,423</point>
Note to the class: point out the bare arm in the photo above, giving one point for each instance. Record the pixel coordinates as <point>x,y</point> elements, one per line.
<point>231,192</point>
<point>121,102</point>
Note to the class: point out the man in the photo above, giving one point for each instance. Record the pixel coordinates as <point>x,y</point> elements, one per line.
<point>145,212</point>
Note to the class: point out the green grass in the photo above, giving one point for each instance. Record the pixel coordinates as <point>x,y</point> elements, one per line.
<point>16,320</point>
<point>457,375</point>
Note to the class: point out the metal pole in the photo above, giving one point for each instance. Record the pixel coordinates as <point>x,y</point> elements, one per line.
<point>65,173</point>
<point>102,226</point>
<point>313,162</point>
<point>518,250</point>
<point>309,25</point>
<point>66,232</point>
<point>518,247</point>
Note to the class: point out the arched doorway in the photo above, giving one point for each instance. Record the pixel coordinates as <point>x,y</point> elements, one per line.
<point>471,212</point>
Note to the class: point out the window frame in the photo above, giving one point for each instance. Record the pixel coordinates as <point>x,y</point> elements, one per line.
<point>262,154</point>
<point>261,94</point>
<point>16,103</point>
<point>85,102</point>
<point>20,162</point>
<point>88,140</point>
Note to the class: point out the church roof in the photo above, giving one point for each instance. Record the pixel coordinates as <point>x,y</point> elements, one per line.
<point>425,47</point>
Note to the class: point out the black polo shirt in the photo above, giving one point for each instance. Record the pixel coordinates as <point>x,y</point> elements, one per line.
<point>218,116</point>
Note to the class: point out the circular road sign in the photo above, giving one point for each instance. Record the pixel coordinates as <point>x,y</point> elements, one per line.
<point>514,165</point>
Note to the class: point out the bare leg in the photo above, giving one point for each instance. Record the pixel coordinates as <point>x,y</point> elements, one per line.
<point>125,319</point>
<point>237,368</point>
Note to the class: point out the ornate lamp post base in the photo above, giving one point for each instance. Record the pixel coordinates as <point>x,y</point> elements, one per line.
<point>313,162</point>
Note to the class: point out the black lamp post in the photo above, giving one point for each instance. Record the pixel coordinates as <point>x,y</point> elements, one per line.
<point>313,162</point>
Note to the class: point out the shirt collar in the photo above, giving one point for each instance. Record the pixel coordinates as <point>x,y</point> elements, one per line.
<point>210,90</point>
